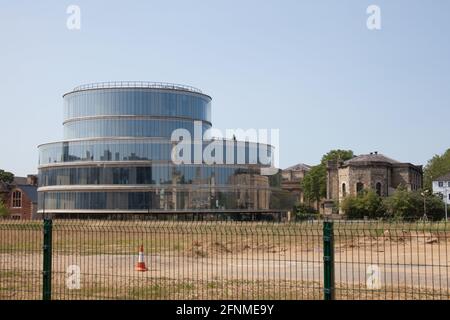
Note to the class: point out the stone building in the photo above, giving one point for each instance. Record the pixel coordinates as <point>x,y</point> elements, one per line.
<point>291,179</point>
<point>20,197</point>
<point>369,171</point>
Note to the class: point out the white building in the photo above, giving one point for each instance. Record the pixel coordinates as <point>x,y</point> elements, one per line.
<point>442,186</point>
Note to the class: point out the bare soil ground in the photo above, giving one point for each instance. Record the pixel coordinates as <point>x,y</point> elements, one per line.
<point>226,261</point>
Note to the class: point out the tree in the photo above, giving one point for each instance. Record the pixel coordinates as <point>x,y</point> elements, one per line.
<point>6,176</point>
<point>401,204</point>
<point>435,207</point>
<point>409,204</point>
<point>437,166</point>
<point>3,210</point>
<point>304,211</point>
<point>337,155</point>
<point>314,183</point>
<point>366,204</point>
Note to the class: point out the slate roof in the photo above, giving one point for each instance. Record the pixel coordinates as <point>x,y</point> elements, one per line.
<point>373,157</point>
<point>299,166</point>
<point>445,177</point>
<point>22,184</point>
<point>30,191</point>
<point>20,180</point>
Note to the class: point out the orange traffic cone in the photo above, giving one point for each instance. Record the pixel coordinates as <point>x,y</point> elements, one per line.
<point>140,265</point>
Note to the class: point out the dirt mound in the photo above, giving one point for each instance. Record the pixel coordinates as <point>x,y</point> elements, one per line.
<point>206,249</point>
<point>396,236</point>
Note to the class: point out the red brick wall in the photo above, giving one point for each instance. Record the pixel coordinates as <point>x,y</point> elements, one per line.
<point>26,211</point>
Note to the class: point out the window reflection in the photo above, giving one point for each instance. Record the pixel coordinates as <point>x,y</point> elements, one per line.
<point>127,128</point>
<point>126,146</point>
<point>126,150</point>
<point>152,175</point>
<point>137,102</point>
<point>159,199</point>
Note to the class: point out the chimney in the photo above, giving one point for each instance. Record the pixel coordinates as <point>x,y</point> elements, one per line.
<point>32,180</point>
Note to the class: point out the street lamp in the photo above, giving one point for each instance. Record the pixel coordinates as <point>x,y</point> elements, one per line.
<point>424,195</point>
<point>445,200</point>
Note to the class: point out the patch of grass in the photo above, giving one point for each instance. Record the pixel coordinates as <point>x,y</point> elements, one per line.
<point>185,286</point>
<point>212,285</point>
<point>85,293</point>
<point>10,274</point>
<point>154,291</point>
<point>178,247</point>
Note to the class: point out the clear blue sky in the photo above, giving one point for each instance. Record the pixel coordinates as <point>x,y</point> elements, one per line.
<point>310,68</point>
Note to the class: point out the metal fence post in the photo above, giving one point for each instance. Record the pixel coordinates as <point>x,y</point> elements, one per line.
<point>328,260</point>
<point>47,267</point>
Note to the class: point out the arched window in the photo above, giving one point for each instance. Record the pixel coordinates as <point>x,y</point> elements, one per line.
<point>359,187</point>
<point>17,199</point>
<point>378,188</point>
<point>344,191</point>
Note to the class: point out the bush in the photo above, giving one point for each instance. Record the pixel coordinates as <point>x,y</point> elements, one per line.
<point>304,208</point>
<point>409,204</point>
<point>4,213</point>
<point>403,204</point>
<point>435,207</point>
<point>304,211</point>
<point>366,204</point>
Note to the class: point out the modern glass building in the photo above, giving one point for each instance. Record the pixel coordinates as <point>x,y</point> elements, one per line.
<point>117,156</point>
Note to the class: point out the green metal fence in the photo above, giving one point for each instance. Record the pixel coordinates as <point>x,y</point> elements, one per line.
<point>93,259</point>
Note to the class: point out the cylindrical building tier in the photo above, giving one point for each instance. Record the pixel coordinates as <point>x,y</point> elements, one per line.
<point>117,155</point>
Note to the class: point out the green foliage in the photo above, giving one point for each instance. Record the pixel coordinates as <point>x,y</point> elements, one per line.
<point>3,210</point>
<point>304,209</point>
<point>6,176</point>
<point>403,204</point>
<point>366,204</point>
<point>437,166</point>
<point>337,155</point>
<point>410,204</point>
<point>314,183</point>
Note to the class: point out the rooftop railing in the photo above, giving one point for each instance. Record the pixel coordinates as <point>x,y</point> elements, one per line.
<point>136,84</point>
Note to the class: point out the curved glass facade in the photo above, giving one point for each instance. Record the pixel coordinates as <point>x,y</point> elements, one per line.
<point>142,149</point>
<point>137,101</point>
<point>91,128</point>
<point>156,174</point>
<point>116,156</point>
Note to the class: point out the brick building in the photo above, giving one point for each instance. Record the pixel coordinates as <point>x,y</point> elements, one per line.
<point>20,197</point>
<point>369,171</point>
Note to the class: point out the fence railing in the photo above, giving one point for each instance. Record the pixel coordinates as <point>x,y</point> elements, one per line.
<point>92,259</point>
<point>136,84</point>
